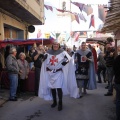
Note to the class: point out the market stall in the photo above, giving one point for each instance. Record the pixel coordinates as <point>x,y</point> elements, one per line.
<point>4,81</point>
<point>4,43</point>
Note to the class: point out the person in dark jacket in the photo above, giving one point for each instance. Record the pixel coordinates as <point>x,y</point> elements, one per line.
<point>116,68</point>
<point>38,57</point>
<point>101,67</point>
<point>109,58</point>
<point>13,71</point>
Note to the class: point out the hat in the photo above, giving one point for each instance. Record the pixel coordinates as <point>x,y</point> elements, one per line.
<point>55,41</point>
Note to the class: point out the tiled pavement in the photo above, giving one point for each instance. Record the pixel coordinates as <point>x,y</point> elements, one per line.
<point>4,95</point>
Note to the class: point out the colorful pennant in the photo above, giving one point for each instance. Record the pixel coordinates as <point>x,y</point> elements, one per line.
<point>92,21</point>
<point>48,7</point>
<point>81,16</point>
<point>88,9</point>
<point>102,12</point>
<point>80,5</point>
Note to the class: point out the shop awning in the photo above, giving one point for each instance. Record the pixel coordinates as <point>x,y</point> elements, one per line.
<point>3,44</point>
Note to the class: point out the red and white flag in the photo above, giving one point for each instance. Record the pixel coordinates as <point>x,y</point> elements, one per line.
<point>92,21</point>
<point>60,10</point>
<point>74,16</point>
<point>77,18</point>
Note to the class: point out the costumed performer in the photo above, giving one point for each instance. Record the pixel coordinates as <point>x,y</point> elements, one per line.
<point>57,76</point>
<point>92,84</point>
<point>83,58</point>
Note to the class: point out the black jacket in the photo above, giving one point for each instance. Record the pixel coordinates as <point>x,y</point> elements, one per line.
<point>116,68</point>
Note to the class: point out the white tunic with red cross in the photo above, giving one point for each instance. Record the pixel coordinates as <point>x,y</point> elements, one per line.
<point>54,63</point>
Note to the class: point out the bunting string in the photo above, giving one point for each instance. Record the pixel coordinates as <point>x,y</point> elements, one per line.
<point>79,16</point>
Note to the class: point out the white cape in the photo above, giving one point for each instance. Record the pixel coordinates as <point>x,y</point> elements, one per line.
<point>69,85</point>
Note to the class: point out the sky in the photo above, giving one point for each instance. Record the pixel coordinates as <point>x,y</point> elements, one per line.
<point>63,23</point>
<point>54,23</point>
<point>55,2</point>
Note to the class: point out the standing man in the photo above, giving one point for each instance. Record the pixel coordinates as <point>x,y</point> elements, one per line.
<point>109,58</point>
<point>116,68</point>
<point>101,67</point>
<point>82,58</point>
<point>57,76</point>
<point>13,71</point>
<point>38,56</point>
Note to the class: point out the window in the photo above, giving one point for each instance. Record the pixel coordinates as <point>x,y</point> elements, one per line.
<point>13,33</point>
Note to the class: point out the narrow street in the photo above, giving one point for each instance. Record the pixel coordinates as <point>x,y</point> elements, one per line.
<point>93,106</point>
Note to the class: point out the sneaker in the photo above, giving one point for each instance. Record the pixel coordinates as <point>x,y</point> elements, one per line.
<point>13,99</point>
<point>59,107</point>
<point>106,87</point>
<point>79,97</point>
<point>108,94</point>
<point>54,105</point>
<point>99,82</point>
<point>104,81</point>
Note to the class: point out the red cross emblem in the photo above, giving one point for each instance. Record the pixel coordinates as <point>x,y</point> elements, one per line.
<point>53,60</point>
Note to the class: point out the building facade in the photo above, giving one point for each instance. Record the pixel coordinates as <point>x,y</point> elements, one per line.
<point>17,15</point>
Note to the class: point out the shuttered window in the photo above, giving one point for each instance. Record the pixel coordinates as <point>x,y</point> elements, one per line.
<point>10,33</point>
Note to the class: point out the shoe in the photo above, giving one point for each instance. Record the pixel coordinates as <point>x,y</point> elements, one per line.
<point>59,107</point>
<point>106,87</point>
<point>36,94</point>
<point>80,97</point>
<point>108,94</point>
<point>13,99</point>
<point>85,92</point>
<point>104,81</point>
<point>53,105</point>
<point>99,82</point>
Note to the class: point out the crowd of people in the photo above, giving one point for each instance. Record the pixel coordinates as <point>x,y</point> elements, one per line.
<point>59,59</point>
<point>61,70</point>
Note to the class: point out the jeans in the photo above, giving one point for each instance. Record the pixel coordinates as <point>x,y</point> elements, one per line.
<point>109,72</point>
<point>13,85</point>
<point>117,87</point>
<point>37,79</point>
<point>103,70</point>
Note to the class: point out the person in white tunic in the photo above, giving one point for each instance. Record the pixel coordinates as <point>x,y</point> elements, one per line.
<point>57,76</point>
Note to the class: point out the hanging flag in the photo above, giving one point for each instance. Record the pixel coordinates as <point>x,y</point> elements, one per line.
<point>48,7</point>
<point>88,9</point>
<point>76,36</point>
<point>74,16</point>
<point>60,10</point>
<point>102,12</point>
<point>92,21</point>
<point>81,16</point>
<point>80,5</point>
<point>77,18</point>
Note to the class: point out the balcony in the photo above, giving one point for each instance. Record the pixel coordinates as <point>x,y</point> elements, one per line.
<point>24,11</point>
